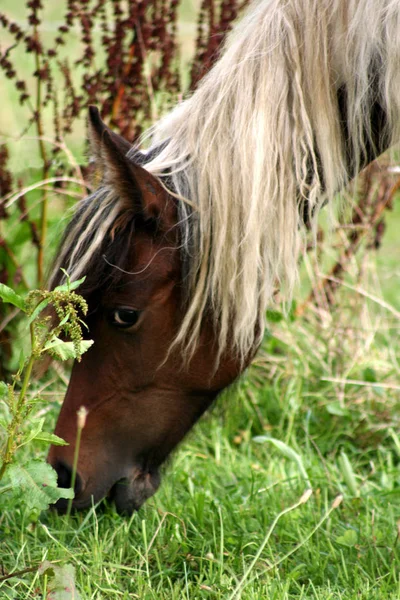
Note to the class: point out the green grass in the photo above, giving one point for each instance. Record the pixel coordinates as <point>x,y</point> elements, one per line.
<point>388,259</point>
<point>223,489</point>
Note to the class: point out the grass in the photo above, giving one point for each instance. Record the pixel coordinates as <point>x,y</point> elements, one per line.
<point>387,259</point>
<point>226,484</point>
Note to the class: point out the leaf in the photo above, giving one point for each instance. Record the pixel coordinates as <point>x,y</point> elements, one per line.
<point>50,438</point>
<point>21,361</point>
<point>274,316</point>
<point>65,350</point>
<point>69,286</point>
<point>30,435</point>
<point>370,375</point>
<point>336,408</point>
<point>4,422</point>
<point>8,295</point>
<point>35,484</point>
<point>349,538</point>
<point>61,583</point>
<point>286,451</point>
<point>395,439</point>
<point>348,474</point>
<point>3,390</point>
<point>41,306</point>
<point>38,435</point>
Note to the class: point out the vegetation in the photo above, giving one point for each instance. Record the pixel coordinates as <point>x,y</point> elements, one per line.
<point>229,481</point>
<point>318,410</point>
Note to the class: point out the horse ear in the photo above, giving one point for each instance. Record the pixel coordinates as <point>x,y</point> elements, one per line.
<point>135,186</point>
<point>96,130</point>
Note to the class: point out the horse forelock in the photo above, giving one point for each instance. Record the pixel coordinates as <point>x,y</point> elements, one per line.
<point>96,243</point>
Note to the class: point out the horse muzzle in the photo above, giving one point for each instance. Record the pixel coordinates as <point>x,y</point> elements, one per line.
<point>128,493</point>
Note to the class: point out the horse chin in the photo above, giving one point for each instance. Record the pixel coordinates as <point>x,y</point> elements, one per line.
<point>129,495</point>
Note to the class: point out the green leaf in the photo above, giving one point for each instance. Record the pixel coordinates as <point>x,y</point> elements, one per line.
<point>274,316</point>
<point>370,375</point>
<point>287,451</point>
<point>65,350</point>
<point>336,408</point>
<point>348,474</point>
<point>30,435</point>
<point>50,438</point>
<point>61,582</point>
<point>4,422</point>
<point>349,538</point>
<point>36,434</point>
<point>41,306</point>
<point>69,286</point>
<point>8,295</point>
<point>21,362</point>
<point>3,390</point>
<point>35,484</point>
<point>292,311</point>
<point>396,440</point>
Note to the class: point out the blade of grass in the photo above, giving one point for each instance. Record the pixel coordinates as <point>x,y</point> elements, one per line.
<point>304,498</point>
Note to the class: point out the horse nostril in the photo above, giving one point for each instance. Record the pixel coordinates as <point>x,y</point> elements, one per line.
<point>64,477</point>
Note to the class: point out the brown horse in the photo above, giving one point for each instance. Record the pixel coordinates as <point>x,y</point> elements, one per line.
<point>183,244</point>
<point>142,399</point>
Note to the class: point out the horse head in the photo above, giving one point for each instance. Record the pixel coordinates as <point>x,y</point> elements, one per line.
<point>303,96</point>
<point>142,397</point>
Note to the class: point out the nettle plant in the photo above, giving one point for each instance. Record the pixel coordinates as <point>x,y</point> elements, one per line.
<point>55,327</point>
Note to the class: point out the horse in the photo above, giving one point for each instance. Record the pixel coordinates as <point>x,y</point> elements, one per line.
<point>190,233</point>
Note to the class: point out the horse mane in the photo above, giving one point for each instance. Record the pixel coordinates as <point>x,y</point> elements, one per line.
<point>262,135</point>
<point>264,138</point>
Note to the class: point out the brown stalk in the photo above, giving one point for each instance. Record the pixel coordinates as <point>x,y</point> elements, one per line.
<point>121,88</point>
<point>150,89</point>
<point>45,173</point>
<point>18,573</point>
<point>15,262</point>
<point>363,225</point>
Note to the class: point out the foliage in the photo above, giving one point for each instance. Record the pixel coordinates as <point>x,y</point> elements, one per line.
<point>62,583</point>
<point>216,525</point>
<point>326,387</point>
<point>34,482</point>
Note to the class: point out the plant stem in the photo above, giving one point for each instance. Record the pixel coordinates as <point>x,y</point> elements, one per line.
<point>43,154</point>
<point>81,420</point>
<point>28,370</point>
<point>18,409</point>
<point>19,573</point>
<point>304,498</point>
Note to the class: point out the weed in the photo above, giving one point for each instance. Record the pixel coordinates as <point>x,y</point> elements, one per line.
<point>34,482</point>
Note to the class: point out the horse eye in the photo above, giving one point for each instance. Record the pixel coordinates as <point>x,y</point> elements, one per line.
<point>123,317</point>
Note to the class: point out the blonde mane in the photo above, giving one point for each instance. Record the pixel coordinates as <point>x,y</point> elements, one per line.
<point>262,135</point>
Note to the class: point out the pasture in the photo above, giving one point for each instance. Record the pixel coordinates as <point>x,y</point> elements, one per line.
<point>234,518</point>
<point>202,531</point>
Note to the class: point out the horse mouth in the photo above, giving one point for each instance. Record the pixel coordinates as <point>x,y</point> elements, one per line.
<point>129,495</point>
